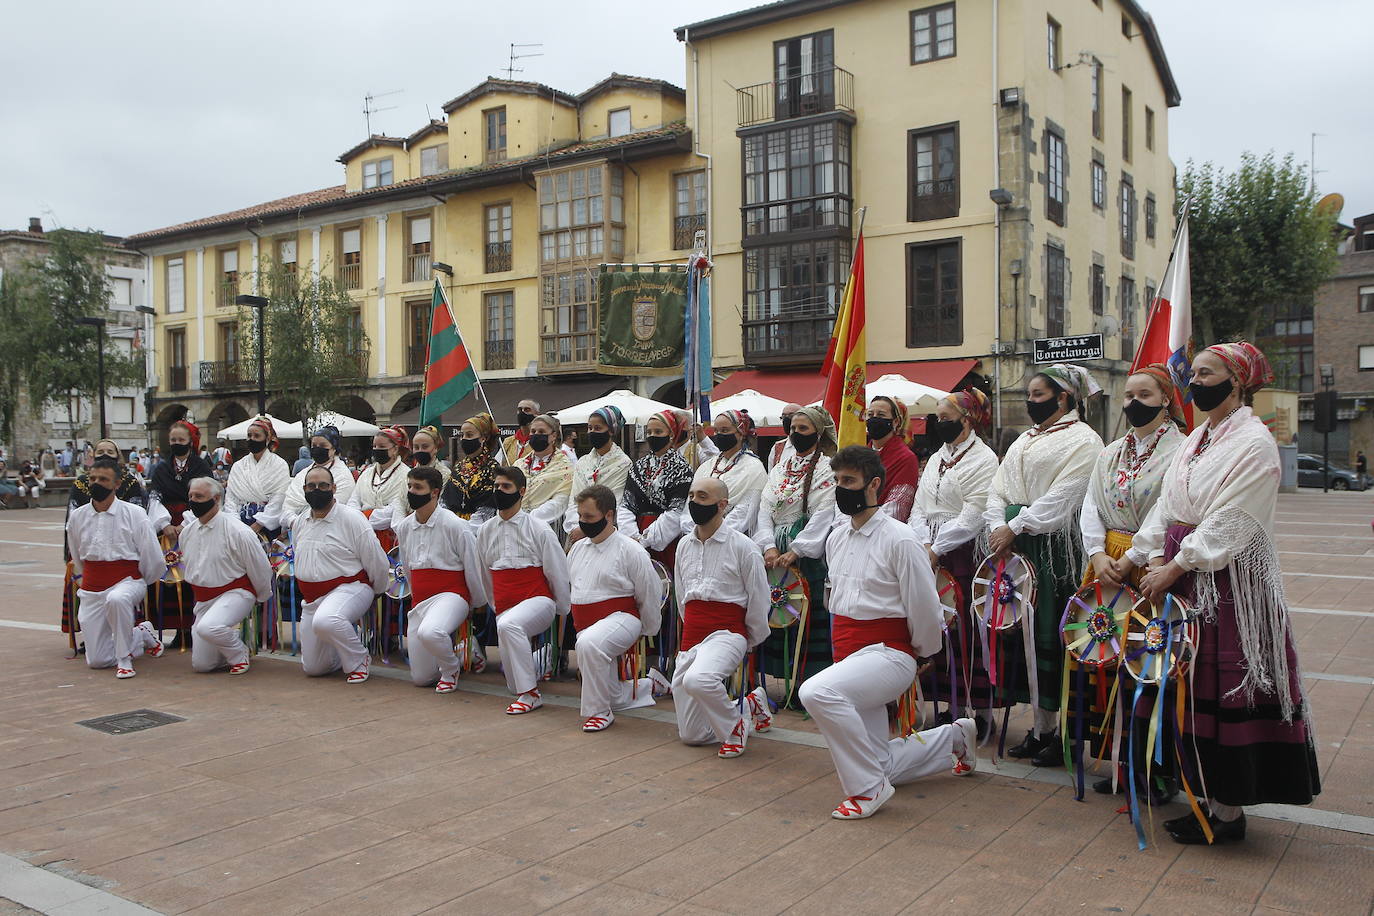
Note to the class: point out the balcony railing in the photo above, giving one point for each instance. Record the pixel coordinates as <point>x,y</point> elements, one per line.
<point>498,257</point>
<point>227,374</point>
<point>415,359</point>
<point>176,378</point>
<point>797,333</point>
<point>351,276</point>
<point>228,292</point>
<point>418,266</point>
<point>498,354</point>
<point>685,230</point>
<point>356,362</point>
<point>830,89</point>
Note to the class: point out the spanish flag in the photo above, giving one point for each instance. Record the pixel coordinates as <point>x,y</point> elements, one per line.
<point>846,361</point>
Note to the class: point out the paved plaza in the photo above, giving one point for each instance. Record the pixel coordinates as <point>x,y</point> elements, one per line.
<point>281,794</point>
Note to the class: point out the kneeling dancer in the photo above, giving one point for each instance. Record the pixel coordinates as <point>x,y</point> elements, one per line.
<point>885,612</point>
<point>438,550</point>
<point>340,566</point>
<point>227,570</point>
<point>721,582</point>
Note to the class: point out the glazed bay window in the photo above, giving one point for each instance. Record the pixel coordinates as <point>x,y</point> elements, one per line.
<point>932,33</point>
<point>228,277</point>
<point>351,258</point>
<point>498,341</point>
<point>791,294</point>
<point>1055,283</point>
<point>934,169</point>
<point>797,179</point>
<point>934,294</point>
<point>498,238</point>
<point>377,173</point>
<point>419,248</point>
<point>689,207</point>
<point>1055,195</point>
<point>567,320</point>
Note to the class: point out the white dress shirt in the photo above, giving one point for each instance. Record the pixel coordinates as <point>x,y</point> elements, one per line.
<point>615,568</point>
<point>744,477</point>
<point>339,544</point>
<point>294,502</point>
<point>444,542</point>
<point>383,491</point>
<point>121,532</point>
<point>725,567</point>
<point>217,552</point>
<point>881,570</point>
<point>261,479</point>
<point>521,542</point>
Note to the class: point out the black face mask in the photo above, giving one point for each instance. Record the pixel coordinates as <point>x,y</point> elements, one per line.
<point>598,440</point>
<point>470,446</point>
<point>787,425</point>
<point>592,529</point>
<point>656,443</point>
<point>523,419</point>
<point>539,441</point>
<point>319,499</point>
<point>851,502</point>
<point>1210,397</point>
<point>702,512</point>
<point>504,500</point>
<point>418,500</point>
<point>1040,411</point>
<point>1138,414</point>
<point>948,430</point>
<point>200,509</point>
<point>878,427</point>
<point>181,449</point>
<point>381,455</point>
<point>256,446</point>
<point>319,454</point>
<point>725,441</point>
<point>803,442</point>
<point>422,458</point>
<point>99,492</point>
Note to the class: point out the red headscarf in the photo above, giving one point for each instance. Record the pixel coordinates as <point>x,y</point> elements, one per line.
<point>397,434</point>
<point>972,403</point>
<point>193,431</point>
<point>1161,374</point>
<point>266,426</point>
<point>671,420</point>
<point>1246,363</point>
<point>743,422</point>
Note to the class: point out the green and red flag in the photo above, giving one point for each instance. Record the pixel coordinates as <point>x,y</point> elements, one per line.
<point>449,374</point>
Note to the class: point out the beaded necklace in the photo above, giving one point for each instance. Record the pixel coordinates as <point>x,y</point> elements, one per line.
<point>1129,463</point>
<point>717,470</point>
<point>947,464</point>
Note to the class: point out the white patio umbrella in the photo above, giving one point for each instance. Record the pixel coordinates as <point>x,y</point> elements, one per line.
<point>908,392</point>
<point>635,408</point>
<point>764,409</point>
<point>348,426</point>
<point>239,431</point>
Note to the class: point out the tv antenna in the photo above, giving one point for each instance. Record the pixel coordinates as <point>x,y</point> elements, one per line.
<point>510,68</point>
<point>370,108</point>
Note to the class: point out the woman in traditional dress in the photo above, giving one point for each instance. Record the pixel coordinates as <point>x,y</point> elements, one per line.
<point>469,489</point>
<point>1033,508</point>
<point>548,472</point>
<point>947,517</point>
<point>796,514</point>
<point>656,491</point>
<point>381,489</point>
<point>1211,540</point>
<point>257,482</point>
<point>737,465</point>
<point>887,431</point>
<point>171,603</point>
<point>606,464</point>
<point>427,449</point>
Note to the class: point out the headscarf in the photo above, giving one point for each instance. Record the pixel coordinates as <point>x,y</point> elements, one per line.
<point>119,455</point>
<point>684,419</point>
<point>825,425</point>
<point>900,415</point>
<point>486,431</point>
<point>659,483</point>
<point>674,423</point>
<point>434,433</point>
<point>332,434</point>
<point>1074,379</point>
<point>266,426</point>
<point>1246,363</point>
<point>193,431</point>
<point>612,417</point>
<point>472,484</point>
<point>557,436</point>
<point>1161,374</point>
<point>974,404</point>
<point>742,421</point>
<point>397,434</point>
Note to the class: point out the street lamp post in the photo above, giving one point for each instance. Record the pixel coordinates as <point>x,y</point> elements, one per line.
<point>149,367</point>
<point>259,303</point>
<point>99,325</point>
<point>1328,374</point>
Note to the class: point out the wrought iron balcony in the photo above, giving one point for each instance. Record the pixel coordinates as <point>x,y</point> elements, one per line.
<point>227,374</point>
<point>829,89</point>
<point>498,354</point>
<point>228,292</point>
<point>498,257</point>
<point>685,230</point>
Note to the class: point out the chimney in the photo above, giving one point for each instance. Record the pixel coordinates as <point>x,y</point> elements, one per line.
<point>35,224</point>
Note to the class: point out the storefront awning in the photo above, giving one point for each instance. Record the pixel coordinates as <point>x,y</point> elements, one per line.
<point>806,386</point>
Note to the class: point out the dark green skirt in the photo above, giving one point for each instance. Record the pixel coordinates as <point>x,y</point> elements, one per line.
<point>1057,577</point>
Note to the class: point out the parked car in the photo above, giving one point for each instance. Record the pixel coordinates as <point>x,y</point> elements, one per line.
<point>1310,474</point>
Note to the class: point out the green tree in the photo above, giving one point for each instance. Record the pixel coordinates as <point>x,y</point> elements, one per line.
<point>315,346</point>
<point>46,349</point>
<point>1256,239</point>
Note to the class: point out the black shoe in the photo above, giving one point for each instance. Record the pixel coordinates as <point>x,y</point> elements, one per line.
<point>1029,747</point>
<point>1189,831</point>
<point>983,726</point>
<point>1163,792</point>
<point>1104,787</point>
<point>1051,752</point>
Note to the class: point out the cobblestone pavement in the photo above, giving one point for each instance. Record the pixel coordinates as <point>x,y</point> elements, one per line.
<point>287,795</point>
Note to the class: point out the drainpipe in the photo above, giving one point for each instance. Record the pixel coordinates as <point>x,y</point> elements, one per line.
<point>997,232</point>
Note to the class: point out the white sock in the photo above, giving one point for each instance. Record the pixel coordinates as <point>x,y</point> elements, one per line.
<point>1045,722</point>
<point>1226,812</point>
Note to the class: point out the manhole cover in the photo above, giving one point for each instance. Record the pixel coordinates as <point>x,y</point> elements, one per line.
<point>121,723</point>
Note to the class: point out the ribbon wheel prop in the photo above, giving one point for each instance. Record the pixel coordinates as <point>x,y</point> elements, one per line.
<point>282,558</point>
<point>951,595</point>
<point>1094,622</point>
<point>665,583</point>
<point>788,597</point>
<point>398,583</point>
<point>1162,646</point>
<point>1002,590</point>
<point>171,555</point>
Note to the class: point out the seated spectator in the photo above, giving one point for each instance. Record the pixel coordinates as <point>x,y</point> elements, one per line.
<point>8,489</point>
<point>30,483</point>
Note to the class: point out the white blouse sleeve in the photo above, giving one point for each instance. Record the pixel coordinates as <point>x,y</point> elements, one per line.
<point>975,485</point>
<point>1246,498</point>
<point>1090,524</point>
<point>1056,508</point>
<point>995,515</point>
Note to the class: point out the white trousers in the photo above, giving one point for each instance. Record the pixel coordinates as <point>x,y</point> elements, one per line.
<point>328,640</point>
<point>705,712</point>
<point>514,630</point>
<point>107,623</point>
<point>599,648</point>
<point>215,634</point>
<point>429,638</point>
<point>849,701</point>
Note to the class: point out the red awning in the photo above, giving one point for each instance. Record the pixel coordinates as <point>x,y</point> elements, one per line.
<point>806,386</point>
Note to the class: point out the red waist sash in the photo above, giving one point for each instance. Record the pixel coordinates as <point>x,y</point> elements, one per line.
<point>98,575</point>
<point>426,583</point>
<point>511,586</point>
<point>848,635</point>
<point>314,591</point>
<point>702,618</point>
<point>584,615</point>
<point>211,592</point>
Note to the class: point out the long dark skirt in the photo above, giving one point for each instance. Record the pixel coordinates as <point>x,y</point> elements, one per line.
<point>968,683</point>
<point>1056,581</point>
<point>785,650</point>
<point>1249,754</point>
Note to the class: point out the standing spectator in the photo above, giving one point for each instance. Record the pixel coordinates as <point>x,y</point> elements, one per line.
<point>222,454</point>
<point>65,460</point>
<point>154,461</point>
<point>1361,467</point>
<point>47,463</point>
<point>30,483</point>
<point>87,455</point>
<point>569,446</point>
<point>303,460</point>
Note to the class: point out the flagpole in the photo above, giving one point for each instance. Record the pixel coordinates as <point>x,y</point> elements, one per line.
<point>1173,250</point>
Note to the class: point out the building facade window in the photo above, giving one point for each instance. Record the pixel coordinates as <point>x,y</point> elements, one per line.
<point>804,75</point>
<point>498,238</point>
<point>1055,270</point>
<point>1099,182</point>
<point>1125,124</point>
<point>578,209</point>
<point>419,248</point>
<point>932,33</point>
<point>498,342</point>
<point>1055,194</point>
<point>494,134</point>
<point>1149,128</point>
<point>228,289</point>
<point>933,167</point>
<point>689,207</point>
<point>1097,98</point>
<point>229,342</point>
<point>286,254</point>
<point>176,285</point>
<point>934,294</point>
<point>176,359</point>
<point>434,159</point>
<point>568,319</point>
<point>1151,217</point>
<point>1127,204</point>
<point>121,293</point>
<point>1054,42</point>
<point>791,294</point>
<point>354,344</point>
<point>1366,299</point>
<point>351,258</point>
<point>618,122</point>
<point>122,410</point>
<point>377,173</point>
<point>1127,303</point>
<point>418,312</point>
<point>1099,289</point>
<point>1366,357</point>
<point>797,179</point>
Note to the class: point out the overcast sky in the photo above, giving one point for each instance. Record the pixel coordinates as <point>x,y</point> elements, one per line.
<point>132,116</point>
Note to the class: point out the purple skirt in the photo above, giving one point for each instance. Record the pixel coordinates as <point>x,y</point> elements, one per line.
<point>968,681</point>
<point>1249,754</point>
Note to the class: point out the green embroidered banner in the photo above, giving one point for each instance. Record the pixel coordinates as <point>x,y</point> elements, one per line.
<point>640,321</point>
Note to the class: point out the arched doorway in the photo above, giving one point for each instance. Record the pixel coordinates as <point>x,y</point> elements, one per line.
<point>357,408</point>
<point>285,409</point>
<point>225,413</point>
<point>406,402</point>
<point>673,393</point>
